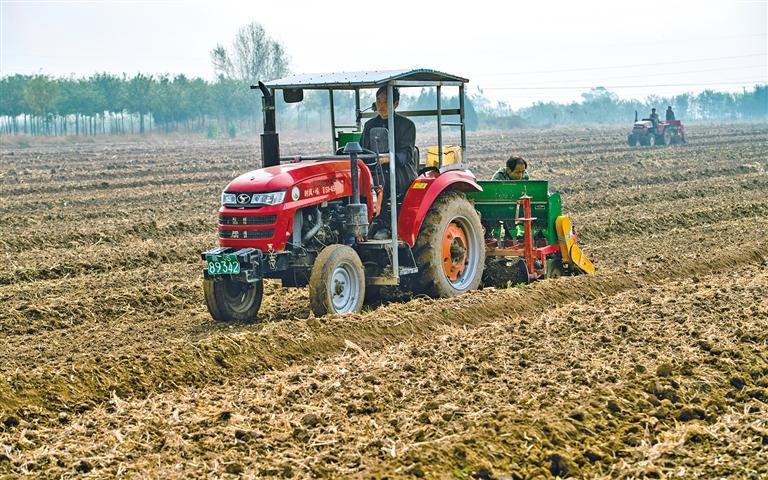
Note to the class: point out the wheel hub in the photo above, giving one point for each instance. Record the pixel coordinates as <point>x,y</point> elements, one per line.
<point>343,290</point>
<point>454,252</point>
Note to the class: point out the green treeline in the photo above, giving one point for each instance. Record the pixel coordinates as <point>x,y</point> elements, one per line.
<point>119,105</point>
<point>110,104</point>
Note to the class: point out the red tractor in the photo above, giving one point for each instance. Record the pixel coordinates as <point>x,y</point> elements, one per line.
<point>305,219</point>
<point>644,133</point>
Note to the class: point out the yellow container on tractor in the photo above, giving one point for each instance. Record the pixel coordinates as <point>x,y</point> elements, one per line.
<point>451,155</point>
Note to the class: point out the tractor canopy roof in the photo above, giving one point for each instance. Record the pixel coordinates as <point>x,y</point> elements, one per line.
<point>420,77</point>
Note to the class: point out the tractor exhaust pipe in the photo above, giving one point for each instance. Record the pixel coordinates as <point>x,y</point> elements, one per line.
<point>635,115</point>
<point>357,213</point>
<point>270,141</point>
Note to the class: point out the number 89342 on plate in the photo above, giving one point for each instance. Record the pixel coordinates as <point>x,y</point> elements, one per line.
<point>225,264</point>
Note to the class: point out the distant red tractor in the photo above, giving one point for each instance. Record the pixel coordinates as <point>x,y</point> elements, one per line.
<point>665,133</point>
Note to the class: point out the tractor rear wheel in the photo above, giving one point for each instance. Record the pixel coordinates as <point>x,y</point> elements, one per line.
<point>450,250</point>
<point>337,282</point>
<point>233,301</point>
<point>651,140</point>
<point>666,138</point>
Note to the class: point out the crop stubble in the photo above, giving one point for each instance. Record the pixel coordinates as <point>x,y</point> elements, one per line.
<point>657,366</point>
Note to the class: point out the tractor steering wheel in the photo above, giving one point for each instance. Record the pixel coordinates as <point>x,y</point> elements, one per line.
<point>373,164</point>
<point>369,162</point>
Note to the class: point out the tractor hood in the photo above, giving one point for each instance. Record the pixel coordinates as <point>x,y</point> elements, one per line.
<point>283,177</point>
<point>643,124</point>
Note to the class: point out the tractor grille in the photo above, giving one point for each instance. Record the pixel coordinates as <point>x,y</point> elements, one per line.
<point>262,220</point>
<point>246,234</point>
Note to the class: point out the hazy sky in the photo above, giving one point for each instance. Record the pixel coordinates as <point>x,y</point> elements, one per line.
<point>518,52</point>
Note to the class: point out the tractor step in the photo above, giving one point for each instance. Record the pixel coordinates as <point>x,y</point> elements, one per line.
<point>382,281</point>
<point>390,280</point>
<point>379,243</point>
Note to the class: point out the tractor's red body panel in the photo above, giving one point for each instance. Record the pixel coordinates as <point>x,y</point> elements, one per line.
<point>269,227</point>
<point>422,194</point>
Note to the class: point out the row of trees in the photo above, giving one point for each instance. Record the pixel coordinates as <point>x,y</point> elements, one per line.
<point>105,103</point>
<point>111,104</point>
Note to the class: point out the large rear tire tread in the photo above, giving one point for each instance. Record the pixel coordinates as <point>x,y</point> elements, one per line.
<point>431,279</point>
<point>333,261</point>
<point>233,301</point>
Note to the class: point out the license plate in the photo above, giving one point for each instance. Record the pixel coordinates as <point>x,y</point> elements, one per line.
<point>224,264</point>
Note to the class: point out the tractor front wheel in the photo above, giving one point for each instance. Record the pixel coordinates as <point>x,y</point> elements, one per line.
<point>450,251</point>
<point>337,282</point>
<point>233,301</point>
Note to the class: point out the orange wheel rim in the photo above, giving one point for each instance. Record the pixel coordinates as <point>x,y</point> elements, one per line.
<point>454,252</point>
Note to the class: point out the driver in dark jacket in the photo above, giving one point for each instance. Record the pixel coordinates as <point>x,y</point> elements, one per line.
<point>654,118</point>
<point>405,140</point>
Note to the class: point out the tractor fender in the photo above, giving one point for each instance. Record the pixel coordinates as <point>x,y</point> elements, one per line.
<point>422,194</point>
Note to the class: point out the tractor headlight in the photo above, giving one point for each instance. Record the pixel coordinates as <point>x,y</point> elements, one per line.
<point>228,199</point>
<point>273,198</point>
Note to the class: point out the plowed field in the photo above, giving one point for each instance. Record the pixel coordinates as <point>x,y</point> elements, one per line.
<point>656,367</point>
